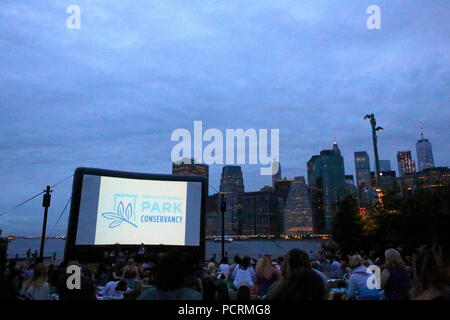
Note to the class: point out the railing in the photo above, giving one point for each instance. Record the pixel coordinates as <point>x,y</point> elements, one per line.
<point>55,256</point>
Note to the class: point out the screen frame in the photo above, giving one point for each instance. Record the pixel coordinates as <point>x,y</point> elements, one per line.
<point>94,253</point>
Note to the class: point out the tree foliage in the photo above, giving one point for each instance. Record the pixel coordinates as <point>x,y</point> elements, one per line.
<point>348,226</point>
<point>407,223</point>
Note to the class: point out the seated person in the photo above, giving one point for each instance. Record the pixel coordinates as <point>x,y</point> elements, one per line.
<point>115,289</point>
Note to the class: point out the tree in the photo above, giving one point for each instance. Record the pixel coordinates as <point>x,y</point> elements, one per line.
<point>412,221</point>
<point>348,226</point>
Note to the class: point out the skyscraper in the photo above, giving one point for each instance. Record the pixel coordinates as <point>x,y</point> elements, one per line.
<point>213,221</point>
<point>261,213</point>
<point>363,178</point>
<point>191,167</point>
<point>388,180</point>
<point>406,166</point>
<point>424,154</point>
<point>297,213</point>
<point>350,186</point>
<point>432,178</point>
<point>232,186</point>
<point>326,180</point>
<point>385,165</point>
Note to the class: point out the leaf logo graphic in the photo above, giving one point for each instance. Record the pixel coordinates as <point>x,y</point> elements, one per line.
<point>122,215</point>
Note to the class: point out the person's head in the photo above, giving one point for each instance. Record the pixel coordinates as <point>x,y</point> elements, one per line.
<point>356,261</point>
<point>237,259</point>
<point>245,263</point>
<point>296,259</point>
<point>195,283</point>
<point>131,262</point>
<point>211,269</point>
<point>39,275</point>
<point>224,260</point>
<point>243,293</point>
<point>171,271</point>
<point>303,284</point>
<point>264,265</point>
<point>393,259</point>
<point>430,271</point>
<point>40,270</point>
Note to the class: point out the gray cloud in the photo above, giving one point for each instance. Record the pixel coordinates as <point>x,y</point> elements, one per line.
<point>110,94</point>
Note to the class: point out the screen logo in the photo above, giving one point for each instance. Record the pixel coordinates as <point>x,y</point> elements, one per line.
<point>121,215</point>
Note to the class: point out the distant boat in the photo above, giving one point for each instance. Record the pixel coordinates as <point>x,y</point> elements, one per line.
<point>226,238</point>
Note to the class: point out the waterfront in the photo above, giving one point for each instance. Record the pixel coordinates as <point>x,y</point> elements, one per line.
<point>252,248</point>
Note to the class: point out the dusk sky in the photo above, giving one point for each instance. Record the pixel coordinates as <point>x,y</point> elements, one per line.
<point>109,95</point>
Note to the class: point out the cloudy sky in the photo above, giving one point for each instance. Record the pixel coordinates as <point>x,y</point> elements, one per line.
<point>110,94</point>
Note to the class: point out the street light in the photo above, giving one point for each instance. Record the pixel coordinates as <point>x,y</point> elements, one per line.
<point>373,123</point>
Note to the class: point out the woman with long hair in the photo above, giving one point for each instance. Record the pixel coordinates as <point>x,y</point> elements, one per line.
<point>394,279</point>
<point>298,280</point>
<point>431,274</point>
<point>37,288</point>
<point>266,274</point>
<point>130,273</point>
<point>244,273</point>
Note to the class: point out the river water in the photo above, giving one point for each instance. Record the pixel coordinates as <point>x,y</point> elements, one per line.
<point>252,248</point>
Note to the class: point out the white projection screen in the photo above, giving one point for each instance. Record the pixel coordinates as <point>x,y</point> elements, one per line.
<point>113,207</point>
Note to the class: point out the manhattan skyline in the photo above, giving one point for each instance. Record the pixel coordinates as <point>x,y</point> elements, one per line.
<point>110,94</point>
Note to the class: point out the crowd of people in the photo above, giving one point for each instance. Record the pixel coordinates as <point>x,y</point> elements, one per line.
<point>295,276</point>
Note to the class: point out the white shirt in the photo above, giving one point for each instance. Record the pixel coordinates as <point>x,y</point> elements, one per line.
<point>225,269</point>
<point>242,275</point>
<point>110,290</point>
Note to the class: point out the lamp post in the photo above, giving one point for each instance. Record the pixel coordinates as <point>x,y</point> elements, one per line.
<point>223,208</point>
<point>373,123</point>
<point>45,204</point>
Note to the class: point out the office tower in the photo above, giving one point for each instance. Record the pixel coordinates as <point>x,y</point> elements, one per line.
<point>232,186</point>
<point>276,172</point>
<point>213,223</point>
<point>297,214</point>
<point>350,186</point>
<point>406,165</point>
<point>424,154</point>
<point>388,180</point>
<point>190,167</point>
<point>432,178</point>
<point>281,188</point>
<point>385,165</point>
<point>373,179</point>
<point>261,213</point>
<point>363,178</point>
<point>326,180</point>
